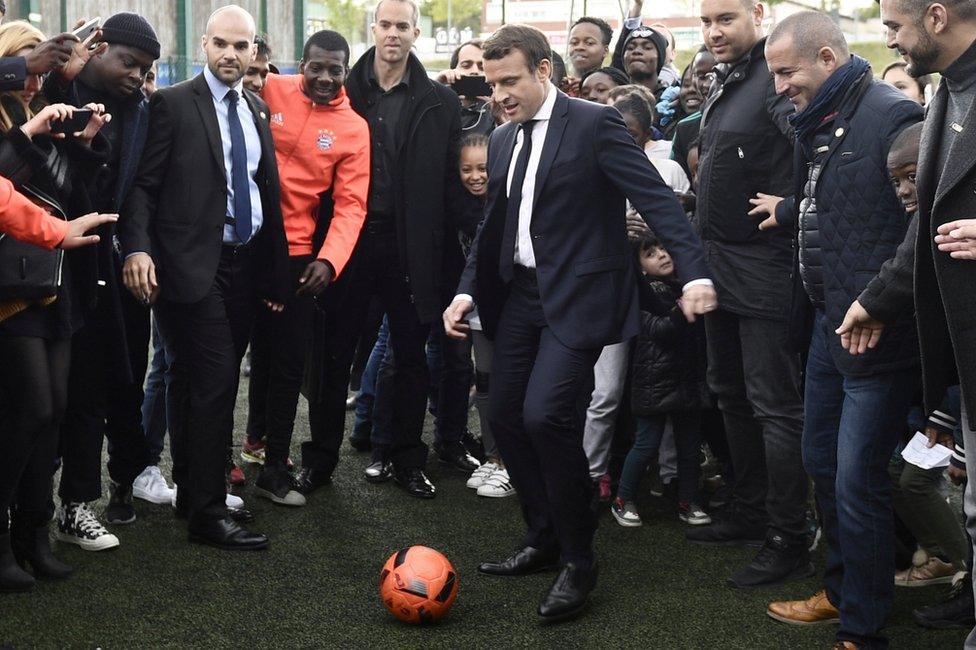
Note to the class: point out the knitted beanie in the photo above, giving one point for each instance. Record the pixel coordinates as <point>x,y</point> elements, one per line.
<point>131,29</point>
<point>654,36</point>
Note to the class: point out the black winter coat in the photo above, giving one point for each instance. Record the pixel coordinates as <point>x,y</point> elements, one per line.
<point>427,186</point>
<point>860,221</point>
<point>669,359</point>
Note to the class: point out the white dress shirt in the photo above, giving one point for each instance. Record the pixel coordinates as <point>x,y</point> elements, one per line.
<point>524,253</point>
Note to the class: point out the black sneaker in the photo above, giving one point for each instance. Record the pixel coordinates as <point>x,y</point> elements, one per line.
<point>119,510</point>
<point>455,455</point>
<point>732,531</point>
<point>777,562</point>
<point>955,612</point>
<point>474,445</point>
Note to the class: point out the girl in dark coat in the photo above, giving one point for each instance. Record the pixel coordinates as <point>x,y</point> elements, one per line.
<point>667,383</point>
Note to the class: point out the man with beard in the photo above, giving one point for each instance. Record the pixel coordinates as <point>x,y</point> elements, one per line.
<point>110,352</point>
<point>205,211</point>
<point>753,363</point>
<point>322,147</point>
<point>939,37</point>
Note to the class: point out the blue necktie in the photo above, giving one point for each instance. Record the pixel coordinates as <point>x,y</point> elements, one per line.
<point>238,157</point>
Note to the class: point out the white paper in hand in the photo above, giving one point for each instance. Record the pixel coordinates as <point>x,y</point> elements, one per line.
<point>918,453</point>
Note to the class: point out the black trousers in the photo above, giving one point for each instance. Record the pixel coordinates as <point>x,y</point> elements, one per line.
<point>206,341</point>
<point>373,271</point>
<point>756,380</point>
<point>279,346</point>
<point>534,406</point>
<point>103,403</point>
<point>33,387</point>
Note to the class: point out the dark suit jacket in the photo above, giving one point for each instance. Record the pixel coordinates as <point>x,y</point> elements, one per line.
<point>176,208</point>
<point>585,265</point>
<point>944,287</point>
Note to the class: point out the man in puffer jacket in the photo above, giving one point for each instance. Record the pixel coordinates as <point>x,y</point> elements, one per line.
<point>849,222</point>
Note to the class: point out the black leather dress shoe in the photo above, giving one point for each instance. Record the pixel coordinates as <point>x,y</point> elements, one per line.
<point>228,535</point>
<point>522,562</point>
<point>569,594</point>
<point>455,455</point>
<point>309,480</point>
<point>379,471</point>
<point>415,482</point>
<point>240,515</point>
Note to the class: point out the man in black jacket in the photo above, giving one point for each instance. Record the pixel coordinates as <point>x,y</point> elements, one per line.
<point>202,230</point>
<point>415,124</point>
<point>753,369</point>
<point>848,221</point>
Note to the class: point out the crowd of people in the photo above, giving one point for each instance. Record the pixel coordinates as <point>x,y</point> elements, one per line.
<point>732,282</point>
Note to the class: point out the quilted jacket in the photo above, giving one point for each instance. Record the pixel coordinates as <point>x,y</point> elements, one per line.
<point>859,220</point>
<point>669,361</point>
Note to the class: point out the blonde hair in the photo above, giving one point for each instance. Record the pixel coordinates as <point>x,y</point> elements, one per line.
<point>15,36</point>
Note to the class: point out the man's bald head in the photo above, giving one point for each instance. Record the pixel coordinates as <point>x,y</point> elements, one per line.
<point>810,32</point>
<point>229,43</point>
<point>231,15</point>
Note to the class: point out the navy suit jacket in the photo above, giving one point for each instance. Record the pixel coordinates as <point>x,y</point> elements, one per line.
<point>586,268</point>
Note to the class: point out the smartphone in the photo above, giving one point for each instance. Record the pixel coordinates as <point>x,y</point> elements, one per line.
<point>77,122</point>
<point>85,30</point>
<point>472,86</point>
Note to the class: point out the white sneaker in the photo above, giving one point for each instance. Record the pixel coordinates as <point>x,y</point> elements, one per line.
<point>480,475</point>
<point>152,487</point>
<point>497,485</point>
<point>232,500</point>
<point>693,515</point>
<point>77,524</point>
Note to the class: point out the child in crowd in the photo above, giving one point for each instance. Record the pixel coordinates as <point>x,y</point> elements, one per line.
<point>639,117</point>
<point>667,382</point>
<point>491,479</point>
<point>916,498</point>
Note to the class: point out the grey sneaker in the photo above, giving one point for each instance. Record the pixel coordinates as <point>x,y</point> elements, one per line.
<point>625,512</point>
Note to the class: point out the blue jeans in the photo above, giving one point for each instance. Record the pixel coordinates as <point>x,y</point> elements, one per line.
<point>154,402</point>
<point>851,427</point>
<point>365,425</point>
<point>647,442</point>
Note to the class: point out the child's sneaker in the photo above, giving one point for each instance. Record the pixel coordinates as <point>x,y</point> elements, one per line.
<point>625,512</point>
<point>692,514</point>
<point>603,485</point>
<point>480,475</point>
<point>253,452</point>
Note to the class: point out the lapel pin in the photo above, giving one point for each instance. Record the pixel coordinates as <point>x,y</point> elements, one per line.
<point>839,132</point>
<point>956,127</point>
<point>263,116</point>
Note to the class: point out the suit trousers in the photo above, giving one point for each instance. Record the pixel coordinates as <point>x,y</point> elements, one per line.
<point>206,341</point>
<point>538,385</point>
<point>373,271</point>
<point>101,403</point>
<point>279,346</point>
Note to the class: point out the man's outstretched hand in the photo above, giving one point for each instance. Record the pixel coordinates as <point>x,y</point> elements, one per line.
<point>454,324</point>
<point>698,299</point>
<point>859,332</point>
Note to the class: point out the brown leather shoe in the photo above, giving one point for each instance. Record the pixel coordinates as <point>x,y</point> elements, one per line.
<point>815,610</point>
<point>844,645</point>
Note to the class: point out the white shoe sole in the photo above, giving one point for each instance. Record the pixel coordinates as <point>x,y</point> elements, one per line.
<point>695,522</point>
<point>103,543</point>
<point>626,523</point>
<point>158,499</point>
<point>944,580</point>
<point>293,499</point>
<point>789,621</point>
<point>495,494</point>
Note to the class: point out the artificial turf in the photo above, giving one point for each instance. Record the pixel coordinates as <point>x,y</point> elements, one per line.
<point>317,585</point>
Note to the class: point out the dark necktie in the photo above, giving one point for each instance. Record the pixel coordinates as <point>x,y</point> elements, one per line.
<point>238,158</point>
<point>506,265</point>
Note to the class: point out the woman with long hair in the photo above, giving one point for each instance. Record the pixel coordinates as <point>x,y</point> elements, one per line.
<point>35,334</point>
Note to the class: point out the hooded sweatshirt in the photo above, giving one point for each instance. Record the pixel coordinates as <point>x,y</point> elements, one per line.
<point>319,148</point>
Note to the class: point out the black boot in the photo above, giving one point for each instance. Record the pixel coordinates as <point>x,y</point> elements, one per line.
<point>12,577</point>
<point>32,546</point>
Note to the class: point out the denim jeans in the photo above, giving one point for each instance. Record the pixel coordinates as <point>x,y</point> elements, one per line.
<point>851,428</point>
<point>451,371</point>
<point>647,442</point>
<point>364,425</point>
<point>154,402</point>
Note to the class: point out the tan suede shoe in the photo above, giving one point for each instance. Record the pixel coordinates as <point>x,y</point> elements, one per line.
<point>815,610</point>
<point>932,572</point>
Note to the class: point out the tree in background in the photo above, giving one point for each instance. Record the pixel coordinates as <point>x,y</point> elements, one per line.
<point>464,13</point>
<point>347,17</point>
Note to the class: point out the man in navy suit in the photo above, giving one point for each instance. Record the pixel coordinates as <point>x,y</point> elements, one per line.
<point>554,279</point>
